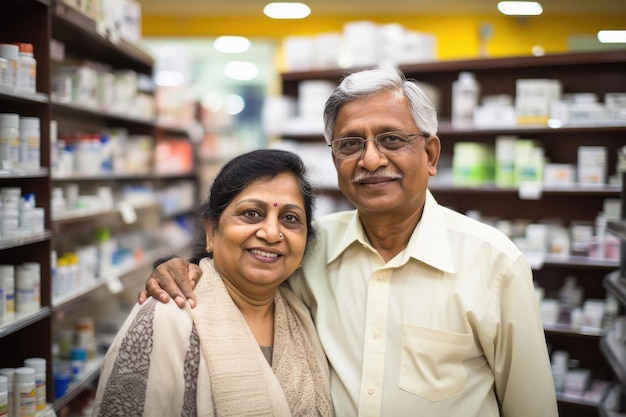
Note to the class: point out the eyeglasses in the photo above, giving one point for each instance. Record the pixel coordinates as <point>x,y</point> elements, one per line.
<point>386,143</point>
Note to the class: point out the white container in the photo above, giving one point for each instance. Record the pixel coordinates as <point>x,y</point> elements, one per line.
<point>27,68</point>
<point>30,142</point>
<point>7,277</point>
<point>465,93</point>
<point>57,204</point>
<point>25,290</point>
<point>12,54</point>
<point>9,211</point>
<point>4,72</point>
<point>9,140</point>
<point>9,373</point>
<point>39,365</point>
<point>24,392</point>
<point>4,396</point>
<point>27,205</point>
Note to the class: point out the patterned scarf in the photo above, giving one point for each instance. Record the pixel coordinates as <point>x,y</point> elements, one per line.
<point>242,382</point>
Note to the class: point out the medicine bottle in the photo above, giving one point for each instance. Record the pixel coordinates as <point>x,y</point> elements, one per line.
<point>30,142</point>
<point>12,54</point>
<point>27,68</point>
<point>24,392</point>
<point>9,140</point>
<point>25,283</point>
<point>9,373</point>
<point>7,276</point>
<point>465,92</point>
<point>39,365</point>
<point>4,396</point>
<point>4,72</point>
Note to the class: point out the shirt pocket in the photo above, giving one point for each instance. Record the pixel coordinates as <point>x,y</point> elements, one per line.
<point>432,362</point>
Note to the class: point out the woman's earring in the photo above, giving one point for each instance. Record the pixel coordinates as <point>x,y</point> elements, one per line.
<point>209,248</point>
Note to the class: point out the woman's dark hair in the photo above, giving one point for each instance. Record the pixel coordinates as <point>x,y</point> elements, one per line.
<point>240,172</point>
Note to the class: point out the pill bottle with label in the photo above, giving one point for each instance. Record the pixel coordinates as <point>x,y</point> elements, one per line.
<point>4,72</point>
<point>4,396</point>
<point>24,392</point>
<point>30,142</point>
<point>12,54</point>
<point>9,140</point>
<point>39,365</point>
<point>9,373</point>
<point>27,68</point>
<point>7,276</point>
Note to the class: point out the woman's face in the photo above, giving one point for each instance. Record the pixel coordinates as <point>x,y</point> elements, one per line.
<point>261,236</point>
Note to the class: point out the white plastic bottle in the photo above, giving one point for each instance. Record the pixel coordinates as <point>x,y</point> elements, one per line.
<point>12,54</point>
<point>27,68</point>
<point>9,140</point>
<point>4,396</point>
<point>25,288</point>
<point>30,142</point>
<point>9,374</point>
<point>39,365</point>
<point>7,275</point>
<point>24,392</point>
<point>465,93</point>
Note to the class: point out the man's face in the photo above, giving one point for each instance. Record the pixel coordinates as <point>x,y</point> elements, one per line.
<point>384,183</point>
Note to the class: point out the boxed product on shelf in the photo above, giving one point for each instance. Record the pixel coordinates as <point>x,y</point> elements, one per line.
<point>533,100</point>
<point>592,165</point>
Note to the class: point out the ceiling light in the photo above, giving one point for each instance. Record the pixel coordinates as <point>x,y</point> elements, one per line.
<point>612,36</point>
<point>231,44</point>
<point>241,70</point>
<point>287,10</point>
<point>520,8</point>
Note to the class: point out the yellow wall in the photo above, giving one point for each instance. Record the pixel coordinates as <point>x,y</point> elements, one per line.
<point>457,35</point>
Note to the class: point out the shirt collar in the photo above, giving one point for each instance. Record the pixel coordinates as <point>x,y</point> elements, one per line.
<point>428,244</point>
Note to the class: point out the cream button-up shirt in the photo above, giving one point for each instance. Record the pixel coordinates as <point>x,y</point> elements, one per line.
<point>449,327</point>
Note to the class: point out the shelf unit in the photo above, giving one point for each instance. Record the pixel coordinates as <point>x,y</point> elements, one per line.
<point>589,72</point>
<point>28,335</point>
<point>612,345</point>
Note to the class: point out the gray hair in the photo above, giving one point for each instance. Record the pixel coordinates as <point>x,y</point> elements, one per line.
<point>369,82</point>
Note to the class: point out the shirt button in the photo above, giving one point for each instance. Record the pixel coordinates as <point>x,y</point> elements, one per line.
<point>379,277</point>
<point>370,391</point>
<point>376,334</point>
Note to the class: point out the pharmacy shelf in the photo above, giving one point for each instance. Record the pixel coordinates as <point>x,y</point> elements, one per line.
<point>22,320</point>
<point>91,374</point>
<point>23,240</point>
<point>610,402</point>
<point>81,33</point>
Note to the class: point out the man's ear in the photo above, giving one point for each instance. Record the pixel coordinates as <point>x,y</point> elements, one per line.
<point>432,146</point>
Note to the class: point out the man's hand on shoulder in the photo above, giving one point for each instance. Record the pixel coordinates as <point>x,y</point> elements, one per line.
<point>175,278</point>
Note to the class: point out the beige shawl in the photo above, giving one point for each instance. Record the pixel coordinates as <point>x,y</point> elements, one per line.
<point>242,382</point>
<point>166,361</point>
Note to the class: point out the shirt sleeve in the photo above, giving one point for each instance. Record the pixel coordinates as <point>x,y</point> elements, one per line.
<point>524,384</point>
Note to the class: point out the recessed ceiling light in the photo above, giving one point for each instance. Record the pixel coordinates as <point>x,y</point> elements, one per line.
<point>241,70</point>
<point>231,44</point>
<point>287,10</point>
<point>520,8</point>
<point>612,36</point>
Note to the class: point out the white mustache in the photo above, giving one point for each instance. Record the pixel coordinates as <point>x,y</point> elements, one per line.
<point>377,174</point>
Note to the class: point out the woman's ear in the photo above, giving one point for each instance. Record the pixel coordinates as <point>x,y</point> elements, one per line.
<point>209,232</point>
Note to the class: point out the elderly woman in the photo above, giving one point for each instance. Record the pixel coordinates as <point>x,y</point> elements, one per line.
<point>251,348</point>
